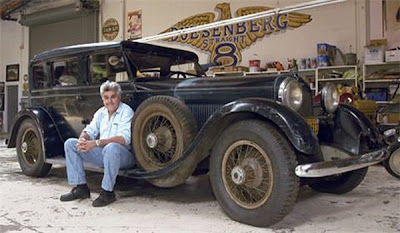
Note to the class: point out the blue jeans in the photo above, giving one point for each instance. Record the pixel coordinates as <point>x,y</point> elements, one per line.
<point>112,157</point>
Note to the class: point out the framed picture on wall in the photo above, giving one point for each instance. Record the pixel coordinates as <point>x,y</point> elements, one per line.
<point>1,102</point>
<point>1,87</point>
<point>12,72</point>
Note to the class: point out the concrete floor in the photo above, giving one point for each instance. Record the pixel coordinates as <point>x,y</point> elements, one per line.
<point>32,205</point>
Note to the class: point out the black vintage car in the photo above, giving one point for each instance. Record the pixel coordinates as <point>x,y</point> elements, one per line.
<point>260,137</point>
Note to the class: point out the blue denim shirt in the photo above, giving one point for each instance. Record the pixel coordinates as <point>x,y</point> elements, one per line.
<point>118,125</point>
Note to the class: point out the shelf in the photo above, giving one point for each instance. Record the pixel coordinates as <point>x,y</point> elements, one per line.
<point>336,67</point>
<point>385,102</point>
<point>382,80</point>
<point>373,75</point>
<point>307,70</point>
<point>268,72</point>
<point>336,79</point>
<point>384,63</point>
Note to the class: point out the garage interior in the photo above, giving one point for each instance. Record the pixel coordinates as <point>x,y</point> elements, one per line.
<point>354,44</point>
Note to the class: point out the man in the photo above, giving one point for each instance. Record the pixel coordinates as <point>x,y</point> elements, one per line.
<point>105,142</point>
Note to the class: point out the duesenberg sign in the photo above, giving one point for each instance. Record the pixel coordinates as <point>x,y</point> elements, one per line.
<point>225,43</point>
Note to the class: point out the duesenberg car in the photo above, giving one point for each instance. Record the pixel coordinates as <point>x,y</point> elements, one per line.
<point>258,137</point>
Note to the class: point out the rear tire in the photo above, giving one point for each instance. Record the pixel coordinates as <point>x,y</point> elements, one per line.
<point>30,152</point>
<point>252,173</point>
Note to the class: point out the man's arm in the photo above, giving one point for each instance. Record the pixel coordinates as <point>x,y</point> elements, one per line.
<point>84,135</point>
<point>116,139</point>
<point>84,141</point>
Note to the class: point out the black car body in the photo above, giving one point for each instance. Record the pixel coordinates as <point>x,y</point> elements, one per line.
<point>258,136</point>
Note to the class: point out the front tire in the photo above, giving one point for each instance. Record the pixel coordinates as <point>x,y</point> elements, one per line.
<point>392,164</point>
<point>31,156</point>
<point>341,183</point>
<point>252,173</point>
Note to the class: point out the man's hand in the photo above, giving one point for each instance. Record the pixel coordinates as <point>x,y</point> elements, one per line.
<point>84,145</point>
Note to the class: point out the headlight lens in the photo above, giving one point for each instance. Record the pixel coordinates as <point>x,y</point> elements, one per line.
<point>290,94</point>
<point>330,97</point>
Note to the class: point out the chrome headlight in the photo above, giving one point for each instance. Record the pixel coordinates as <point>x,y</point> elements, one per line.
<point>330,98</point>
<point>290,94</point>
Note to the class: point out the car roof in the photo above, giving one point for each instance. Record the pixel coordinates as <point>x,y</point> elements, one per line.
<point>136,46</point>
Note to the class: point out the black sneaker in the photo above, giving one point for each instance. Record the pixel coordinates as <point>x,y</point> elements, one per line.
<point>78,192</point>
<point>104,199</point>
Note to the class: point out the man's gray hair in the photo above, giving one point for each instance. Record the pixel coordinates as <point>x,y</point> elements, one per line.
<point>110,86</point>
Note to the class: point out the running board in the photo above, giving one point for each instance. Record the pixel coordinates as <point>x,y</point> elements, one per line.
<point>91,167</point>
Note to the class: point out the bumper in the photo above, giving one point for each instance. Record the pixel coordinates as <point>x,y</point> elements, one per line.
<point>328,168</point>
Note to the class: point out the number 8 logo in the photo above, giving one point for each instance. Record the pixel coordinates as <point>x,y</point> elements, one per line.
<point>225,53</point>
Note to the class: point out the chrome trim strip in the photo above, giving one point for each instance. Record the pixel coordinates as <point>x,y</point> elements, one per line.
<point>328,168</point>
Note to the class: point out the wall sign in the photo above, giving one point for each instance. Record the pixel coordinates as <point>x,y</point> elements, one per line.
<point>110,29</point>
<point>134,25</point>
<point>225,43</point>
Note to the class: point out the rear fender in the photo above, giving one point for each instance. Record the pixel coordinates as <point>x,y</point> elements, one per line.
<point>51,136</point>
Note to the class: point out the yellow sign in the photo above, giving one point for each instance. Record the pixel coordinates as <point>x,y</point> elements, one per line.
<point>110,29</point>
<point>225,43</point>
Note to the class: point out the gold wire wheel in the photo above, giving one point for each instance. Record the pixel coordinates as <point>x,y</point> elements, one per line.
<point>161,140</point>
<point>30,147</point>
<point>247,174</point>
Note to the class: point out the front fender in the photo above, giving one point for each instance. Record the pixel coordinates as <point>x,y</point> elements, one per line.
<point>351,130</point>
<point>51,136</point>
<point>288,121</point>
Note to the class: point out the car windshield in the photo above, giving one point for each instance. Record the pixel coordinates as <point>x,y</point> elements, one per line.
<point>156,65</point>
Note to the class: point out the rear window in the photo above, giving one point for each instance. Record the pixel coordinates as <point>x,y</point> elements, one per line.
<point>67,72</point>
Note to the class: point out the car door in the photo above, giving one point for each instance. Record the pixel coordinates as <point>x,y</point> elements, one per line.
<point>104,66</point>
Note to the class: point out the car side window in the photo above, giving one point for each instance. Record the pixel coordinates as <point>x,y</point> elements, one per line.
<point>109,66</point>
<point>40,76</point>
<point>67,72</point>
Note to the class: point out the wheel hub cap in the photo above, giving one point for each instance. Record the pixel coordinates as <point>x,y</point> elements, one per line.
<point>238,175</point>
<point>152,140</point>
<point>24,147</point>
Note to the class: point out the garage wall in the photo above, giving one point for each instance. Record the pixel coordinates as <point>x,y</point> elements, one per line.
<point>393,26</point>
<point>11,52</point>
<point>336,24</point>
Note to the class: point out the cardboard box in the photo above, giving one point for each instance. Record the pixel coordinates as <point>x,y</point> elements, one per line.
<point>323,60</point>
<point>326,49</point>
<point>326,54</point>
<point>392,55</point>
<point>377,94</point>
<point>374,54</point>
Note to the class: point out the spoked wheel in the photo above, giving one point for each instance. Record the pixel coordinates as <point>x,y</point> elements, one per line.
<point>163,127</point>
<point>392,164</point>
<point>252,173</point>
<point>247,174</point>
<point>161,137</point>
<point>30,153</point>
